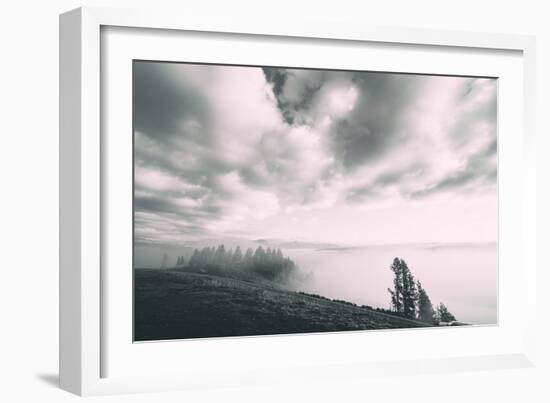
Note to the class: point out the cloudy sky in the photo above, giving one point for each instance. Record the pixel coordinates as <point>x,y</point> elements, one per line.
<point>350,158</point>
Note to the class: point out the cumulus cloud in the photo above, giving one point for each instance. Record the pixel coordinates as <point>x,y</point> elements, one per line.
<point>217,146</point>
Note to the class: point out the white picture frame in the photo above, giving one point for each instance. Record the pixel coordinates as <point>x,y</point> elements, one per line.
<point>86,346</point>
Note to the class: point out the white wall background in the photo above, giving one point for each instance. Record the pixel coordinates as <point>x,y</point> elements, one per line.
<point>29,202</point>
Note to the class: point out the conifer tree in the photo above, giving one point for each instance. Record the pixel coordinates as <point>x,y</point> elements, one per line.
<point>219,255</point>
<point>426,311</point>
<point>229,257</point>
<point>248,257</point>
<point>195,258</point>
<point>443,314</point>
<point>397,292</point>
<point>237,255</point>
<point>210,255</point>
<point>404,295</point>
<point>203,256</point>
<point>259,256</point>
<point>410,292</point>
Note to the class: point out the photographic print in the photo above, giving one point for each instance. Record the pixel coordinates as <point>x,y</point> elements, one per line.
<point>274,200</point>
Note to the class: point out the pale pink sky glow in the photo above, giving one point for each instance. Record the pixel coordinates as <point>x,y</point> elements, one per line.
<point>349,158</point>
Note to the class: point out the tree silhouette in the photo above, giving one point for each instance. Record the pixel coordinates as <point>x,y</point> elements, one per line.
<point>426,311</point>
<point>248,257</point>
<point>259,257</point>
<point>443,314</point>
<point>410,293</point>
<point>397,292</point>
<point>195,258</point>
<point>408,297</point>
<point>269,264</point>
<point>237,255</point>
<point>180,262</point>
<point>229,257</point>
<point>219,256</point>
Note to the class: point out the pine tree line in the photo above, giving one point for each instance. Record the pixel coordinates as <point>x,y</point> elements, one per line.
<point>269,263</point>
<point>411,300</point>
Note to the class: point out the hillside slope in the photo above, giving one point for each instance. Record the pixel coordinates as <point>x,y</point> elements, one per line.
<point>171,304</point>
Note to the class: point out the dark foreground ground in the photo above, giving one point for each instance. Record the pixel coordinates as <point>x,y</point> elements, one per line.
<point>171,304</point>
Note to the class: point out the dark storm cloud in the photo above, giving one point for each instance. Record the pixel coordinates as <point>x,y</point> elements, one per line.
<point>154,204</point>
<point>479,167</point>
<point>389,178</point>
<point>475,109</point>
<point>374,125</point>
<point>174,159</point>
<point>295,90</point>
<point>376,122</point>
<point>160,228</point>
<point>160,222</point>
<point>479,116</point>
<point>382,181</point>
<point>163,101</point>
<point>277,77</point>
<point>362,193</point>
<point>163,204</point>
<point>465,128</point>
<point>181,164</point>
<point>173,122</point>
<point>194,193</point>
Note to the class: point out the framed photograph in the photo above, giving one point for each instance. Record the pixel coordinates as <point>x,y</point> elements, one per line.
<point>238,197</point>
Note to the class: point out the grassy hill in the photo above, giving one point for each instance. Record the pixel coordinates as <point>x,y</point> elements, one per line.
<point>178,304</point>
